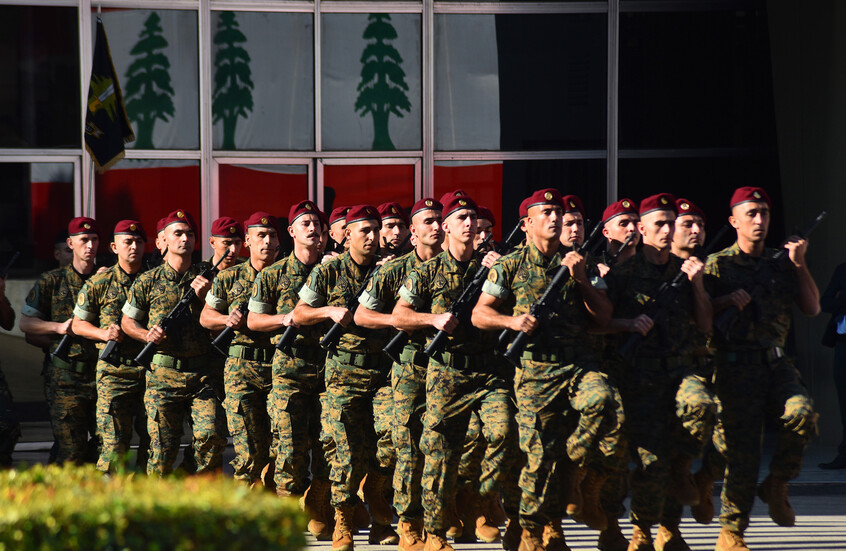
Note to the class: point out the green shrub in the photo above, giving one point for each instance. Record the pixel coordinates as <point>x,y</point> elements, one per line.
<point>78,508</point>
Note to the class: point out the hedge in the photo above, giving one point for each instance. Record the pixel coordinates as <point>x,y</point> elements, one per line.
<point>71,508</point>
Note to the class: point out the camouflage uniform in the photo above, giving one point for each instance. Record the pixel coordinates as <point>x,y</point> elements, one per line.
<point>120,389</point>
<point>297,381</point>
<point>459,381</point>
<point>10,428</point>
<point>73,390</point>
<point>246,376</point>
<point>669,409</point>
<point>565,406</point>
<point>181,379</point>
<point>755,380</point>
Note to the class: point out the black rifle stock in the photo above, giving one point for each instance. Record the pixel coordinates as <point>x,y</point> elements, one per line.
<point>168,322</point>
<point>331,338</point>
<point>762,275</point>
<point>655,306</point>
<point>107,354</point>
<point>223,341</point>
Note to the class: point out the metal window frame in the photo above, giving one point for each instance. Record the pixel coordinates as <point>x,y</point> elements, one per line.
<point>416,162</point>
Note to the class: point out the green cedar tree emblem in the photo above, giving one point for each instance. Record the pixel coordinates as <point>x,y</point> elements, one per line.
<point>382,87</point>
<point>233,83</point>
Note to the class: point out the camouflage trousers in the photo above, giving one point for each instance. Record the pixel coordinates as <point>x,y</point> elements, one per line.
<point>350,419</point>
<point>408,382</point>
<point>749,393</point>
<point>616,485</point>
<point>74,399</point>
<point>296,404</point>
<point>564,415</point>
<point>669,417</point>
<point>247,385</point>
<point>170,395</point>
<point>120,410</point>
<point>452,395</point>
<point>10,429</point>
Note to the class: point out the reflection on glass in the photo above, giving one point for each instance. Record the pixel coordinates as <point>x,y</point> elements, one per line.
<point>37,204</point>
<point>520,82</point>
<point>262,80</point>
<point>347,185</point>
<point>371,82</point>
<point>147,190</point>
<point>155,56</point>
<point>39,70</point>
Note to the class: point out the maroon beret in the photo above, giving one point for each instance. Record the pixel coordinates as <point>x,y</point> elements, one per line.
<point>487,214</point>
<point>454,193</point>
<point>182,216</point>
<point>427,203</point>
<point>226,226</point>
<point>160,225</point>
<point>524,208</point>
<point>324,220</point>
<point>392,210</point>
<point>261,219</point>
<point>338,214</point>
<point>130,227</point>
<point>749,193</point>
<point>623,206</point>
<point>303,207</point>
<point>363,212</point>
<point>659,201</point>
<point>548,196</point>
<point>81,225</point>
<point>686,207</point>
<point>572,203</point>
<point>458,202</point>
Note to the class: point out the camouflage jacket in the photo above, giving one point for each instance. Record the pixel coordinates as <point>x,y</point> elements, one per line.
<point>276,291</point>
<point>153,296</point>
<point>382,291</point>
<point>52,298</point>
<point>433,287</point>
<point>231,289</point>
<point>100,302</point>
<point>764,322</point>
<point>631,285</point>
<point>334,283</point>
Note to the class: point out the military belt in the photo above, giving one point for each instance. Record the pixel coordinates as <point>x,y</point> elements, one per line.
<point>751,356</point>
<point>252,353</point>
<point>307,353</point>
<point>563,355</point>
<point>456,361</point>
<point>128,361</point>
<point>366,361</point>
<point>411,355</point>
<point>181,364</point>
<point>669,363</point>
<point>76,366</point>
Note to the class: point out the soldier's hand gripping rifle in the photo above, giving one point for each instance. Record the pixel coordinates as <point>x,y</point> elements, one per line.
<point>542,310</point>
<point>331,338</point>
<point>657,305</point>
<point>223,341</point>
<point>761,279</point>
<point>174,316</point>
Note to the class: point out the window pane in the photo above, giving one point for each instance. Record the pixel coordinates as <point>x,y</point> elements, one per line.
<point>147,190</point>
<point>39,69</point>
<point>502,186</point>
<point>37,204</point>
<point>347,185</point>
<point>371,82</point>
<point>263,80</point>
<point>155,56</point>
<point>695,79</point>
<point>520,82</point>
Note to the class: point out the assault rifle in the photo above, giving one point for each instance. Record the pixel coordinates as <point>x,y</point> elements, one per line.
<point>223,341</point>
<point>331,338</point>
<point>762,278</point>
<point>613,260</point>
<point>657,305</point>
<point>174,316</point>
<point>542,310</point>
<point>336,246</point>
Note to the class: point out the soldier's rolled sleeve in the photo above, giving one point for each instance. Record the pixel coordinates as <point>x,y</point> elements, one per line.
<point>492,284</point>
<point>85,308</point>
<point>216,302</point>
<point>370,302</point>
<point>33,306</point>
<point>259,307</point>
<point>410,291</point>
<point>312,298</point>
<point>134,307</point>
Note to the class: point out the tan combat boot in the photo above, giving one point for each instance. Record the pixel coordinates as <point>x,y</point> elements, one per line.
<point>531,540</point>
<point>486,529</point>
<point>612,538</point>
<point>641,540</point>
<point>571,479</point>
<point>703,513</point>
<point>553,536</point>
<point>267,476</point>
<point>682,486</point>
<point>410,535</point>
<point>592,514</point>
<point>382,534</point>
<point>513,532</point>
<point>455,528</point>
<point>773,492</point>
<point>374,494</point>
<point>669,538</point>
<point>730,541</point>
<point>342,539</point>
<point>437,542</point>
<point>316,505</point>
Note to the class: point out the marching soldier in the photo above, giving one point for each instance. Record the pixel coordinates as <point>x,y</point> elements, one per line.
<point>669,410</point>
<point>558,370</point>
<point>689,229</point>
<point>337,223</point>
<point>459,380</point>
<point>753,374</point>
<point>120,380</point>
<point>49,311</point>
<point>247,372</point>
<point>619,222</point>
<point>394,234</point>
<point>227,238</point>
<point>484,226</point>
<point>182,377</point>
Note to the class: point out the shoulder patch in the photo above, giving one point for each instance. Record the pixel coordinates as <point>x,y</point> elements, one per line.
<point>81,300</point>
<point>439,283</point>
<point>409,285</point>
<point>492,276</point>
<point>369,285</point>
